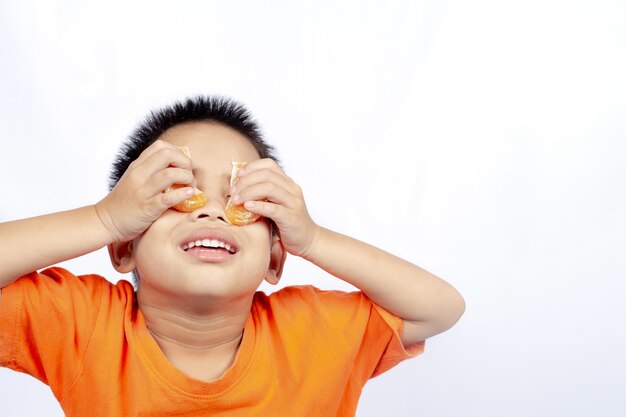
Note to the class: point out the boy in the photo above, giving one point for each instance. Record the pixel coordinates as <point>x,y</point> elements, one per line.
<point>196,338</point>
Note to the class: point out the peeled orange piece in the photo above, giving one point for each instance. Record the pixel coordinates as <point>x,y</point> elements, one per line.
<point>184,150</point>
<point>194,202</point>
<point>236,213</point>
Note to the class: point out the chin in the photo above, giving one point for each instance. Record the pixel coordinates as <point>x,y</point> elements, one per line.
<point>215,288</point>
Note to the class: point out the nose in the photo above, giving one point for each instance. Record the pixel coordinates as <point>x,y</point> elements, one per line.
<point>212,210</point>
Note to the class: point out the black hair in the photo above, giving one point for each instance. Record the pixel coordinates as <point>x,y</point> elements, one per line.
<point>198,108</point>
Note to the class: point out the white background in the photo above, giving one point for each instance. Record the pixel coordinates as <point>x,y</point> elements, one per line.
<point>484,141</point>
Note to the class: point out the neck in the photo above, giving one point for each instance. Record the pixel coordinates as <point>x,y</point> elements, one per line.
<point>201,343</point>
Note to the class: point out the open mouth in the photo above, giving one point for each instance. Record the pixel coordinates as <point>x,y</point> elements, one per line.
<point>213,244</point>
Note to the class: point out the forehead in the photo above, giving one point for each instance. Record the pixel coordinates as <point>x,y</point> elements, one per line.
<point>211,143</point>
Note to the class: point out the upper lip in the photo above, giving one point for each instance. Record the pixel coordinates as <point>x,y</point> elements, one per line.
<point>210,234</point>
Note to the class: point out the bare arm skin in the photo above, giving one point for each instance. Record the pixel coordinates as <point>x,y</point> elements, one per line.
<point>136,201</point>
<point>427,304</point>
<point>37,242</point>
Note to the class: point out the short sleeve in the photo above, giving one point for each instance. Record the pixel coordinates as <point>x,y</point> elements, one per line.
<point>395,351</point>
<point>345,324</point>
<point>46,322</point>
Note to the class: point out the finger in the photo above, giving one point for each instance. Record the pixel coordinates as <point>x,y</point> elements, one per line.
<point>167,177</point>
<point>163,158</point>
<point>156,157</point>
<point>155,147</point>
<point>170,198</point>
<point>266,209</point>
<point>269,191</point>
<point>160,170</point>
<point>266,175</point>
<point>259,164</point>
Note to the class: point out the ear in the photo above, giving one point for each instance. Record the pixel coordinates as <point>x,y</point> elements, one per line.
<point>277,260</point>
<point>121,254</point>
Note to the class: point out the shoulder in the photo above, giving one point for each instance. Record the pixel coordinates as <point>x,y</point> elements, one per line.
<point>309,294</point>
<point>308,301</point>
<point>59,283</point>
<point>39,299</point>
<point>310,304</point>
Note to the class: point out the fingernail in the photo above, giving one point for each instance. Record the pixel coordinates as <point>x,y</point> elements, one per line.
<point>235,198</point>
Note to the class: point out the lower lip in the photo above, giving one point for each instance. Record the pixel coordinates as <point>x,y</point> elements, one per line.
<point>209,255</point>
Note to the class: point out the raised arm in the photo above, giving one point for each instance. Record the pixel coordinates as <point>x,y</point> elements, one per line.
<point>427,304</point>
<point>37,242</point>
<point>135,202</point>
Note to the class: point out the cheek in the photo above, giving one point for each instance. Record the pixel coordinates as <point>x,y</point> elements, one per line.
<point>145,244</point>
<point>262,260</point>
<point>260,252</point>
<point>149,250</point>
<point>146,262</point>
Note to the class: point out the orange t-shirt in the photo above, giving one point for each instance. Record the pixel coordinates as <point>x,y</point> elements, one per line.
<point>304,352</point>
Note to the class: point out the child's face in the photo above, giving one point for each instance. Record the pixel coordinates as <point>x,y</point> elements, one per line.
<point>159,254</point>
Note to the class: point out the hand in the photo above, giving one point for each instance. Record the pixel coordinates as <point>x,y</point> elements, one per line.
<point>139,198</point>
<point>265,189</point>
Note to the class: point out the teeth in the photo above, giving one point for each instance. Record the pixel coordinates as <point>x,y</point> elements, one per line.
<point>209,243</point>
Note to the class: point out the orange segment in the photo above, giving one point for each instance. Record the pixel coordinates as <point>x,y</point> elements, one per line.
<point>236,213</point>
<point>184,150</point>
<point>194,202</point>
